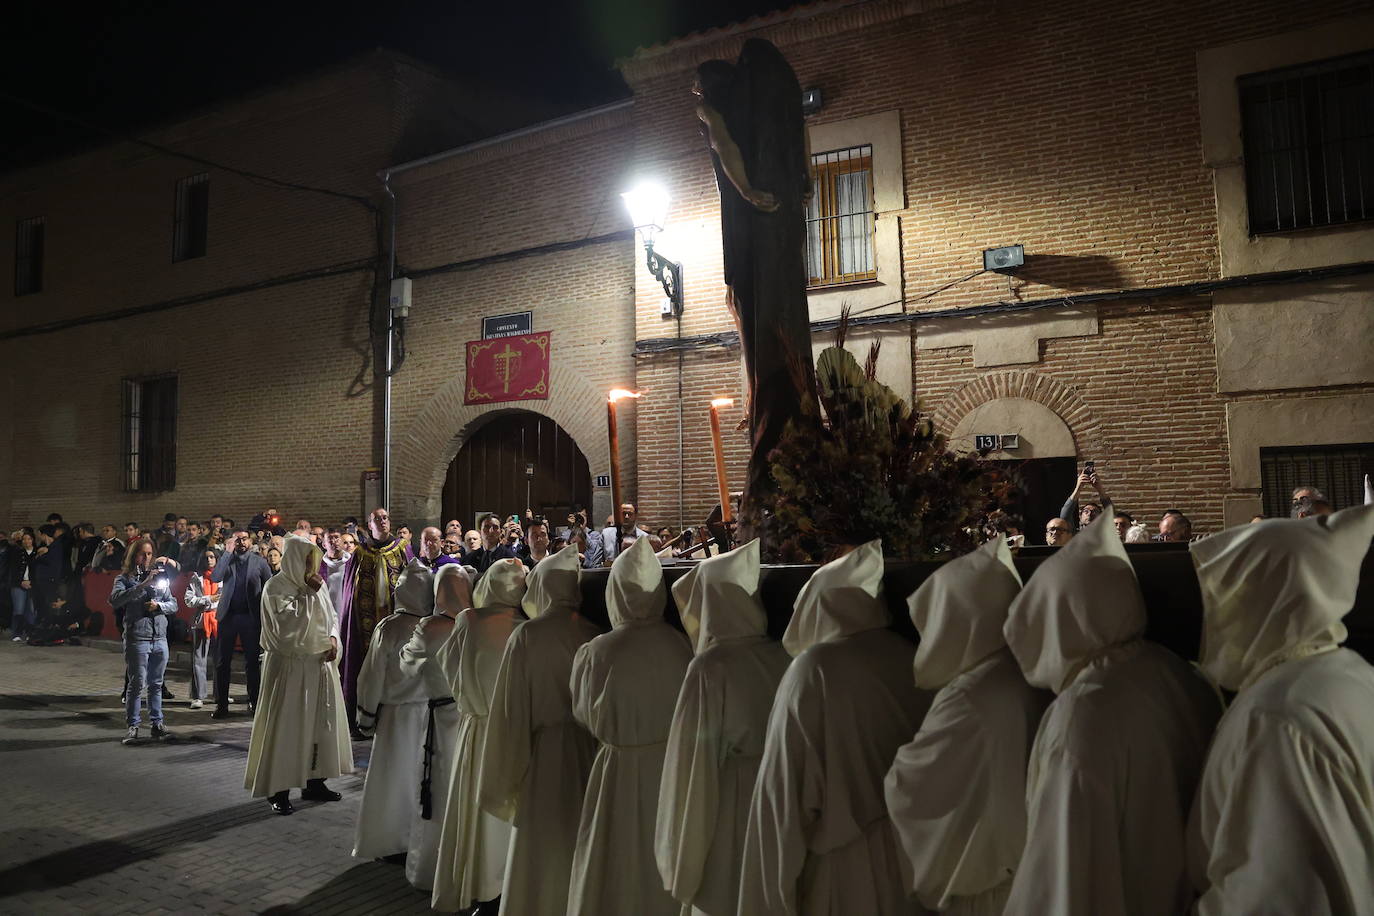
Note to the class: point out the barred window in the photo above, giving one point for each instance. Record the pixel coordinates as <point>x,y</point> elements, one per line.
<point>839,218</point>
<point>28,256</point>
<point>150,434</point>
<point>1308,135</point>
<point>191,221</point>
<point>1336,470</point>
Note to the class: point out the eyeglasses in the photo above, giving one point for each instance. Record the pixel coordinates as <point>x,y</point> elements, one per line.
<point>1060,529</point>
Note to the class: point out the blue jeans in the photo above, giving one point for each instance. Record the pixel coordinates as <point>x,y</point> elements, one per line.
<point>146,661</point>
<point>24,618</point>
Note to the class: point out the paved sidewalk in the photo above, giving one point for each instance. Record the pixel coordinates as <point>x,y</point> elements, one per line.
<point>89,825</point>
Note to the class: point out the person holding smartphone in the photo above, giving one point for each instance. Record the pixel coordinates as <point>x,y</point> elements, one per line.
<point>1079,512</point>
<point>142,591</point>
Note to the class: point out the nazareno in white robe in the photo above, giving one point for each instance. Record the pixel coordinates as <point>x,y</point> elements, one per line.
<point>537,758</point>
<point>624,687</point>
<point>1284,817</point>
<point>300,731</point>
<point>473,844</point>
<point>452,596</point>
<point>819,839</point>
<point>1119,752</point>
<point>716,740</point>
<point>957,790</point>
<point>392,707</point>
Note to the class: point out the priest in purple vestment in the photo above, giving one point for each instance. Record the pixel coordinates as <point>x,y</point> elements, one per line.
<point>369,583</point>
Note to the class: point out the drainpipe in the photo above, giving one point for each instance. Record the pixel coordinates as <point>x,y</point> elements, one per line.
<point>389,366</point>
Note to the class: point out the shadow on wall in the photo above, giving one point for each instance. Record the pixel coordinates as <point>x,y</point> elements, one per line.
<point>1067,271</point>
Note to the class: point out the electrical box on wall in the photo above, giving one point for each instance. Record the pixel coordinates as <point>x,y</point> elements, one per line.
<point>399,301</point>
<point>1008,257</point>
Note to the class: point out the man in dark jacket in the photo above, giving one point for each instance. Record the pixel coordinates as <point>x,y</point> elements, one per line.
<point>241,575</point>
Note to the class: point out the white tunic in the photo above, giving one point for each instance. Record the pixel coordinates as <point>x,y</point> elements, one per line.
<point>1118,755</point>
<point>957,790</point>
<point>537,759</point>
<point>473,844</point>
<point>393,705</point>
<point>716,740</point>
<point>1284,819</point>
<point>819,840</point>
<point>300,731</point>
<point>624,687</point>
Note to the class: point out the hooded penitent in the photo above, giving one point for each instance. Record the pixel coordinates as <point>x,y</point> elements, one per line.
<point>452,595</point>
<point>392,707</point>
<point>536,759</point>
<point>472,847</point>
<point>624,686</point>
<point>1118,755</point>
<point>718,730</point>
<point>300,731</point>
<point>1284,820</point>
<point>957,791</point>
<point>818,838</point>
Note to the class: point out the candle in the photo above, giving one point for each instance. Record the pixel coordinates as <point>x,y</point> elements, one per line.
<point>614,434</point>
<point>721,483</point>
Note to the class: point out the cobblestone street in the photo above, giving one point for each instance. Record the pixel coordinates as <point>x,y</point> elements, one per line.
<point>90,825</point>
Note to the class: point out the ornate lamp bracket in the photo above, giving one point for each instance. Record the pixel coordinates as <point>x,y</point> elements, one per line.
<point>669,275</point>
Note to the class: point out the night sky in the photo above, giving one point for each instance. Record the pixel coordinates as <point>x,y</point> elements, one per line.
<point>129,64</point>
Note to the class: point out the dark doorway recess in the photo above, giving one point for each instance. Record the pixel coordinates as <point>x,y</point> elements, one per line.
<point>489,473</point>
<point>1046,483</point>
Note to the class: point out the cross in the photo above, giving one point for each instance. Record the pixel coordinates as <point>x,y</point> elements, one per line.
<point>506,361</point>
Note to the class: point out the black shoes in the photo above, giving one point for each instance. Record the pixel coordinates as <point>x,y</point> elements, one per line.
<point>281,803</point>
<point>159,733</point>
<point>221,712</point>
<point>316,790</point>
<point>167,694</point>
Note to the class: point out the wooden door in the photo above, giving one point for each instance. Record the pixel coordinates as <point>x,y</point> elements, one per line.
<point>515,461</point>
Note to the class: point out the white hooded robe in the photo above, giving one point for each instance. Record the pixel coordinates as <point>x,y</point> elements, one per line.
<point>452,596</point>
<point>1284,818</point>
<point>1118,754</point>
<point>300,731</point>
<point>536,759</point>
<point>473,844</point>
<point>819,839</point>
<point>957,791</point>
<point>392,705</point>
<point>716,740</point>
<point>624,687</point>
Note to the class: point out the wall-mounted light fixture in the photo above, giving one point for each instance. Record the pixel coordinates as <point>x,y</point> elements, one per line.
<point>648,206</point>
<point>812,100</point>
<point>1004,259</point>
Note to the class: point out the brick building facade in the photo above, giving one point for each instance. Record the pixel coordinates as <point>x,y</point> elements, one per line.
<point>1144,332</point>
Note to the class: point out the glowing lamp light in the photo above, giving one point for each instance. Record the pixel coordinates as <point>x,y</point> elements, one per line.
<point>722,402</point>
<point>648,205</point>
<point>617,394</point>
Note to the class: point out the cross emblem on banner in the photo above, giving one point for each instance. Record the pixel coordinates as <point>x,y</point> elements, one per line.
<point>507,365</point>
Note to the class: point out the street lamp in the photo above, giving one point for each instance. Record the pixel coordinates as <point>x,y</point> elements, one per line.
<point>648,206</point>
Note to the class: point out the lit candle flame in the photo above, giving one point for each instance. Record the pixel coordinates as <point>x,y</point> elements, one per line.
<point>722,402</point>
<point>617,393</point>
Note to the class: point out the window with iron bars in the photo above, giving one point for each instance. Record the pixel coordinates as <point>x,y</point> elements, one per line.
<point>191,221</point>
<point>1336,470</point>
<point>150,434</point>
<point>28,256</point>
<point>839,218</point>
<point>1308,135</point>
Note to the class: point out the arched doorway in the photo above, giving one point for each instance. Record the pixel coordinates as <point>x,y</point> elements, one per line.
<point>517,460</point>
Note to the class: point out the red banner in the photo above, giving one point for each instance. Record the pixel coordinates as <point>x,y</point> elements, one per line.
<point>508,369</point>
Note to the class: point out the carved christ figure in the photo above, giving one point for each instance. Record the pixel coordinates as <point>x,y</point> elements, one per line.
<point>751,114</point>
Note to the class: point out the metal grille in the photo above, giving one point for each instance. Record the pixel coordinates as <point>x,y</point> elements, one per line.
<point>191,221</point>
<point>28,256</point>
<point>1337,470</point>
<point>1309,144</point>
<point>839,218</point>
<point>150,434</point>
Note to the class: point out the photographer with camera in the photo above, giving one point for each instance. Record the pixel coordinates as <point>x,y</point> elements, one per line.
<point>268,520</point>
<point>141,590</point>
<point>588,541</point>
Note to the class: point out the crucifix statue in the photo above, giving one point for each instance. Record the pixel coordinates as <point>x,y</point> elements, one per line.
<point>751,115</point>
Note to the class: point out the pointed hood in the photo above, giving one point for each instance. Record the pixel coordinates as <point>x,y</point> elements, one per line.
<point>1080,602</point>
<point>635,589</point>
<point>415,589</point>
<point>553,586</point>
<point>1277,590</point>
<point>452,589</point>
<point>298,557</point>
<point>719,598</point>
<point>960,611</point>
<point>502,585</point>
<point>843,597</point>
